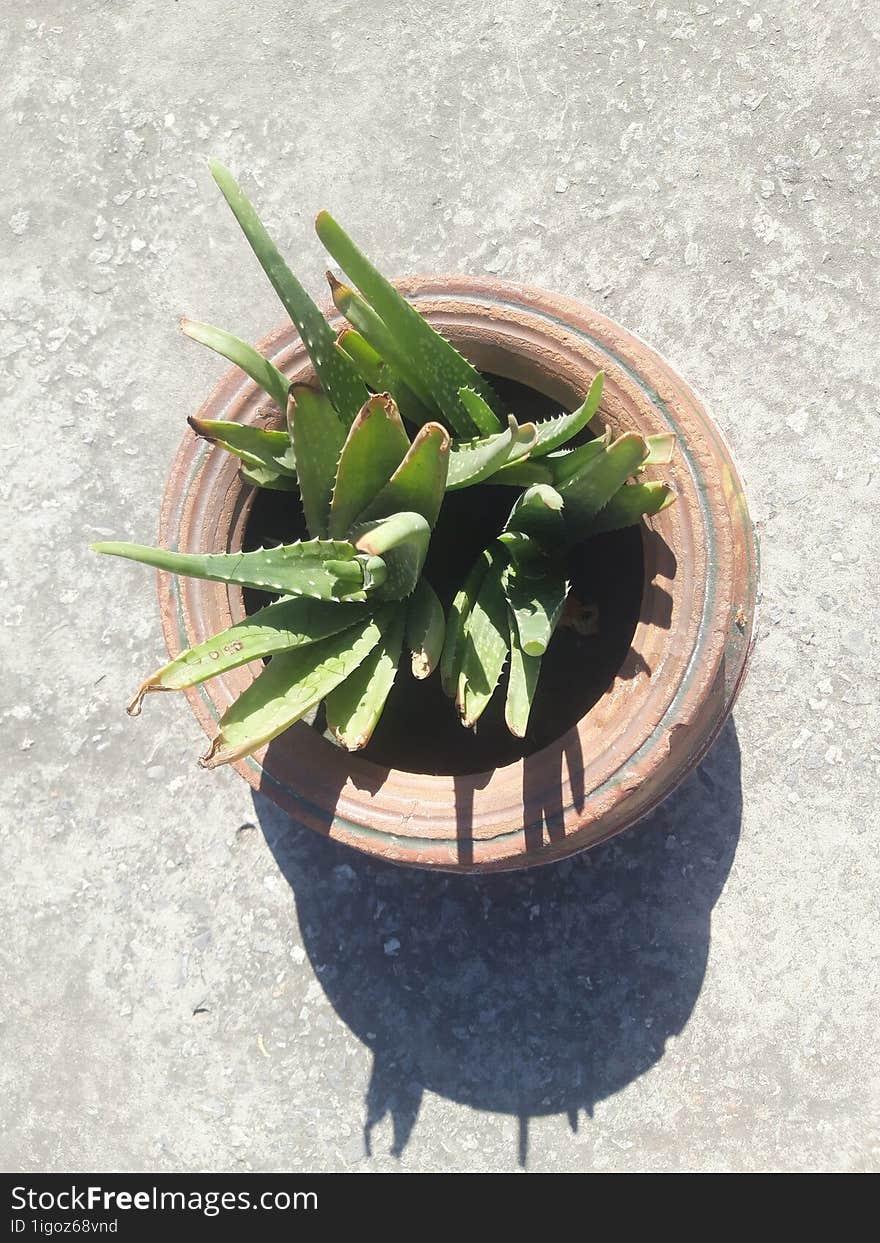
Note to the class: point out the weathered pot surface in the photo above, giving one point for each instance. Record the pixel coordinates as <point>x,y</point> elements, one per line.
<point>672,694</point>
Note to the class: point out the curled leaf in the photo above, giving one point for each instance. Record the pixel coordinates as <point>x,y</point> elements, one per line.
<point>401,541</point>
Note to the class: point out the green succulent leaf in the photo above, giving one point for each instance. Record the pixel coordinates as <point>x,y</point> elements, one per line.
<point>465,598</point>
<point>267,477</point>
<point>382,378</point>
<point>277,628</point>
<point>318,435</point>
<point>523,474</point>
<point>324,569</point>
<point>367,360</point>
<point>431,354</point>
<point>528,556</point>
<point>556,431</point>
<point>401,541</point>
<point>481,413</point>
<point>630,504</point>
<point>536,605</point>
<point>290,686</point>
<point>355,705</point>
<point>474,461</point>
<point>425,629</point>
<point>337,374</point>
<point>272,381</point>
<point>596,482</point>
<point>538,513</point>
<point>521,684</point>
<point>661,449</point>
<point>256,446</point>
<point>485,644</point>
<point>375,446</point>
<point>419,482</point>
<point>382,340</point>
<point>564,466</point>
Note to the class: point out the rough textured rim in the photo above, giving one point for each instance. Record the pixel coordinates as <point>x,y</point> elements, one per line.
<point>674,691</point>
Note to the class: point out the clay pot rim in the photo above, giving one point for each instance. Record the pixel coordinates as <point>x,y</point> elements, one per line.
<point>459,302</point>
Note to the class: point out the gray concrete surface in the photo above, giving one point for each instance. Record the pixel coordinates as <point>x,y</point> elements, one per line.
<point>189,981</point>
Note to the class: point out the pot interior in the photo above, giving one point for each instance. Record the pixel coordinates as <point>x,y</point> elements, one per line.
<point>419,730</point>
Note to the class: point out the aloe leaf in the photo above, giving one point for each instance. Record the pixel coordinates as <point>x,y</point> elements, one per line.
<point>630,504</point>
<point>425,629</point>
<point>419,482</point>
<point>442,365</point>
<point>318,435</point>
<point>355,705</point>
<point>528,556</point>
<point>565,465</point>
<point>521,683</point>
<point>465,598</point>
<point>536,605</point>
<point>336,373</point>
<point>596,482</point>
<point>267,477</point>
<point>290,685</point>
<point>272,381</point>
<point>473,461</point>
<point>523,474</point>
<point>382,340</point>
<point>538,513</point>
<point>276,628</point>
<point>481,413</point>
<point>375,446</point>
<point>556,431</point>
<point>367,360</point>
<point>381,376</point>
<point>324,569</point>
<point>661,449</point>
<point>486,641</point>
<point>256,446</point>
<point>401,541</point>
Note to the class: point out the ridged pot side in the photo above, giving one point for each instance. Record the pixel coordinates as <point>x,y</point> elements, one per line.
<point>674,691</point>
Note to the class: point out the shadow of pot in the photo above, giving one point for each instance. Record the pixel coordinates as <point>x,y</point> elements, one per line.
<point>670,697</point>
<point>525,993</point>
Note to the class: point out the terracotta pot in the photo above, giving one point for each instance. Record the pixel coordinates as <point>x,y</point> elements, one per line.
<point>688,655</point>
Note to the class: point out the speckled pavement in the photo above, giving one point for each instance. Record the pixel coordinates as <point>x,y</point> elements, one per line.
<point>190,981</point>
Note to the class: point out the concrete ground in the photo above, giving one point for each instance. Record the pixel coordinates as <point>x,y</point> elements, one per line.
<point>191,982</point>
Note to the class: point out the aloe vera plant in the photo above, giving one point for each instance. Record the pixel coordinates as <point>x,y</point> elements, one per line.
<point>513,599</point>
<point>397,418</point>
<point>348,597</point>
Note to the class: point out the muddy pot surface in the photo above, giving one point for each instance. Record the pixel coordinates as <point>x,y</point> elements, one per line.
<point>688,640</point>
